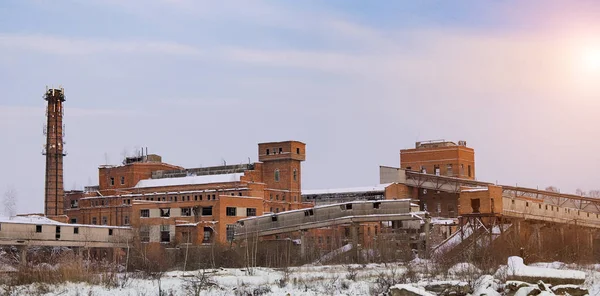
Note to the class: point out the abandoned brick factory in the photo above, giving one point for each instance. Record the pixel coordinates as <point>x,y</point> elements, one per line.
<point>433,190</point>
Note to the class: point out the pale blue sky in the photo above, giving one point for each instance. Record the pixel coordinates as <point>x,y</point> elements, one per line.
<point>201,81</point>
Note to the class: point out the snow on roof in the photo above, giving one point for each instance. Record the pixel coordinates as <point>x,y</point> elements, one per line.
<point>41,220</point>
<point>443,221</point>
<point>378,188</point>
<point>475,189</point>
<point>189,180</point>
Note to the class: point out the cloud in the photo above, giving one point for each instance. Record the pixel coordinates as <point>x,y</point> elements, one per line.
<point>74,46</point>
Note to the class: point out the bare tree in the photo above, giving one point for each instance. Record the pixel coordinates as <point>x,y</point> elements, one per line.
<point>9,202</point>
<point>552,189</point>
<point>594,193</point>
<point>580,192</point>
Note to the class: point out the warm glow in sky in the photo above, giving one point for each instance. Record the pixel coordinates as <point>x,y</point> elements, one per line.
<point>202,81</point>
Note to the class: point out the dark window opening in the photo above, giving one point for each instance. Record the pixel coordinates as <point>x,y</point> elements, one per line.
<point>376,205</point>
<point>267,151</point>
<point>94,220</point>
<point>251,212</point>
<point>231,211</point>
<point>38,228</point>
<point>122,180</point>
<point>145,213</point>
<point>295,175</point>
<point>112,181</point>
<point>76,230</point>
<point>207,211</point>
<point>274,218</point>
<point>280,150</point>
<point>165,212</point>
<point>165,234</point>
<point>110,232</point>
<point>186,211</point>
<point>349,206</point>
<point>436,170</point>
<point>408,168</point>
<point>475,203</point>
<point>126,220</point>
<point>57,229</point>
<point>297,150</point>
<point>73,220</point>
<point>309,212</point>
<point>104,220</point>
<point>276,175</point>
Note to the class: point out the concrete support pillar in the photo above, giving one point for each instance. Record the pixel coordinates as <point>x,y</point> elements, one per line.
<point>354,228</point>
<point>538,236</point>
<point>426,238</point>
<point>303,244</point>
<point>23,255</point>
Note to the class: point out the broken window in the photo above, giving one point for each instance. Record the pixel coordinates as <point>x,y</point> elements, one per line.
<point>110,232</point>
<point>207,211</point>
<point>38,228</point>
<point>207,235</point>
<point>122,180</point>
<point>145,233</point>
<point>165,212</point>
<point>295,175</point>
<point>145,213</point>
<point>186,211</point>
<point>231,211</point>
<point>74,204</point>
<point>267,151</point>
<point>280,150</point>
<point>309,212</point>
<point>73,220</point>
<point>251,212</point>
<point>436,170</point>
<point>94,221</point>
<point>274,218</point>
<point>112,181</point>
<point>276,175</point>
<point>230,232</point>
<point>126,220</point>
<point>297,150</point>
<point>165,234</point>
<point>75,230</point>
<point>376,205</point>
<point>104,220</point>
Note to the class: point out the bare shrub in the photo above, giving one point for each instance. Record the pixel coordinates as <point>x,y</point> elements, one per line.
<point>200,281</point>
<point>385,280</point>
<point>352,273</point>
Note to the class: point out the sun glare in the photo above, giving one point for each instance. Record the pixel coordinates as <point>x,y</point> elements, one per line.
<point>591,60</point>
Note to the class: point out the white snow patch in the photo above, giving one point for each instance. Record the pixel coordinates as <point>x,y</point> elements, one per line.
<point>413,289</point>
<point>189,180</point>
<point>517,268</point>
<point>377,188</point>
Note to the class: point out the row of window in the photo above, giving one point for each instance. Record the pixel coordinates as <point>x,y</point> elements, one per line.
<point>104,220</point>
<point>112,181</point>
<point>127,201</point>
<point>567,210</point>
<point>39,229</point>
<point>282,197</point>
<point>165,234</point>
<point>449,170</point>
<point>294,173</point>
<point>166,212</point>
<point>279,151</point>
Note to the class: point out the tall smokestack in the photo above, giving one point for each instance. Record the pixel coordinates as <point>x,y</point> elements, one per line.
<point>54,152</point>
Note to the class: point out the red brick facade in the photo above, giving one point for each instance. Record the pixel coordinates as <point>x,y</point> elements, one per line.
<point>441,158</point>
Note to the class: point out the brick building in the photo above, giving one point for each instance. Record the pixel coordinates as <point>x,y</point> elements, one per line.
<point>170,204</point>
<point>440,158</point>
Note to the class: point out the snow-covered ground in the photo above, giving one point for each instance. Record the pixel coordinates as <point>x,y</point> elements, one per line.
<point>317,280</point>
